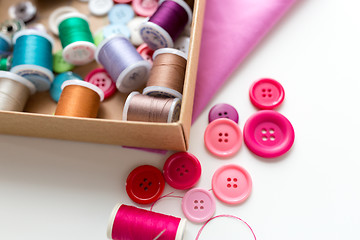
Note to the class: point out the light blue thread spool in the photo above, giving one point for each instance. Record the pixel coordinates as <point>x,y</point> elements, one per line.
<point>32,58</point>
<point>55,90</point>
<point>5,45</point>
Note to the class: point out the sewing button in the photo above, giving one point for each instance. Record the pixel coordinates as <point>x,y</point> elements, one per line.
<point>268,134</point>
<point>100,7</point>
<point>25,11</point>
<point>266,94</point>
<point>198,205</point>
<point>116,29</point>
<point>55,15</point>
<point>55,89</point>
<point>146,52</point>
<point>145,184</point>
<point>59,64</point>
<point>182,170</point>
<point>134,27</point>
<point>231,184</point>
<point>121,13</point>
<point>223,110</point>
<point>122,1</point>
<point>145,8</point>
<point>100,78</point>
<point>223,137</point>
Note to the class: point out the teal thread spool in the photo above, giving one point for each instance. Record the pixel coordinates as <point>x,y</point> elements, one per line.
<point>5,45</point>
<point>32,58</point>
<point>76,39</point>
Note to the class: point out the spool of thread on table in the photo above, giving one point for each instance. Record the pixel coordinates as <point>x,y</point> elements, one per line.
<point>166,24</point>
<point>79,99</point>
<point>129,223</point>
<point>76,38</point>
<point>167,74</point>
<point>14,91</point>
<point>32,58</point>
<point>145,108</point>
<point>12,26</point>
<point>5,45</point>
<point>5,63</point>
<point>123,63</point>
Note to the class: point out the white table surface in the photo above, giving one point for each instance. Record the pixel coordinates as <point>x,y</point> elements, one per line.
<point>56,190</point>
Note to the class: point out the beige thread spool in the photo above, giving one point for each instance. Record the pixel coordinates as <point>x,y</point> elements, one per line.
<point>145,108</point>
<point>79,99</point>
<point>14,91</point>
<point>167,74</point>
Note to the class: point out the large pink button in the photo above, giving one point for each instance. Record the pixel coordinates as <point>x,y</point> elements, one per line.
<point>223,137</point>
<point>145,8</point>
<point>266,94</point>
<point>100,78</point>
<point>231,184</point>
<point>268,134</point>
<point>198,205</point>
<point>182,170</point>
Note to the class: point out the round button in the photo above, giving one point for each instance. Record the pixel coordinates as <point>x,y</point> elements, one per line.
<point>268,134</point>
<point>134,27</point>
<point>122,1</point>
<point>231,184</point>
<point>59,64</point>
<point>182,170</point>
<point>100,78</point>
<point>121,13</point>
<point>116,29</point>
<point>198,205</point>
<point>100,7</point>
<point>223,137</point>
<point>146,52</point>
<point>145,184</point>
<point>55,89</point>
<point>266,94</point>
<point>145,8</point>
<point>223,110</point>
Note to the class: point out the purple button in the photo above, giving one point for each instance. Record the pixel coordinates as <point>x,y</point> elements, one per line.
<point>223,110</point>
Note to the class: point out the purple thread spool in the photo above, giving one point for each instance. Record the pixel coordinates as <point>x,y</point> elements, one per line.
<point>166,24</point>
<point>124,64</point>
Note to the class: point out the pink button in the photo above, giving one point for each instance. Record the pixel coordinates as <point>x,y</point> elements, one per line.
<point>146,52</point>
<point>231,184</point>
<point>223,137</point>
<point>268,134</point>
<point>198,205</point>
<point>100,78</point>
<point>182,170</point>
<point>266,94</point>
<point>145,8</point>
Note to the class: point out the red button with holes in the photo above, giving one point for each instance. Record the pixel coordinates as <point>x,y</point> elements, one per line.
<point>100,78</point>
<point>223,137</point>
<point>266,94</point>
<point>182,170</point>
<point>146,52</point>
<point>145,184</point>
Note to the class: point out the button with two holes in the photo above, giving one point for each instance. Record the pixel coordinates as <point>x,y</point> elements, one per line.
<point>100,78</point>
<point>145,184</point>
<point>223,110</point>
<point>266,93</point>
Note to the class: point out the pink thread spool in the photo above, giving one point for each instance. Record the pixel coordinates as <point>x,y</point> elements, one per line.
<point>131,223</point>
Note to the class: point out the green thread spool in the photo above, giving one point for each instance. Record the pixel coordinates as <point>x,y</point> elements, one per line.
<point>5,63</point>
<point>76,39</point>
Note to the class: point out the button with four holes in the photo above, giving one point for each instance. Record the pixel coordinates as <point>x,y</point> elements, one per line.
<point>146,52</point>
<point>100,78</point>
<point>198,205</point>
<point>231,184</point>
<point>268,134</point>
<point>145,184</point>
<point>223,137</point>
<point>266,93</point>
<point>223,110</point>
<point>182,170</point>
<point>121,14</point>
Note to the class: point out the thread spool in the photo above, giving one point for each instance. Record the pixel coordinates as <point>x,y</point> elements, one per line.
<point>79,99</point>
<point>10,27</point>
<point>145,108</point>
<point>76,38</point>
<point>129,223</point>
<point>123,63</point>
<point>5,63</point>
<point>5,45</point>
<point>167,74</point>
<point>32,58</point>
<point>166,24</point>
<point>14,91</point>
<point>26,11</point>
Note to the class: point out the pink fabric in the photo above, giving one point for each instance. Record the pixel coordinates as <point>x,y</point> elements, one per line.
<point>232,29</point>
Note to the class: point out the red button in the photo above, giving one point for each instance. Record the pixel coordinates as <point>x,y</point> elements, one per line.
<point>182,170</point>
<point>146,52</point>
<point>266,94</point>
<point>145,184</point>
<point>100,78</point>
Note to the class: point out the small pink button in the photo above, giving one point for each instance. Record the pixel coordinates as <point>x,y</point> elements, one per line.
<point>145,8</point>
<point>266,94</point>
<point>223,137</point>
<point>100,78</point>
<point>146,52</point>
<point>198,205</point>
<point>182,170</point>
<point>268,134</point>
<point>231,184</point>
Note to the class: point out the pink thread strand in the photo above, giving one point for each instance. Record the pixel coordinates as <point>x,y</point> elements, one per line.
<point>166,195</point>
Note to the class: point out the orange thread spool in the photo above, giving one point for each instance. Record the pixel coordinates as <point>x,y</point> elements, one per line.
<point>79,99</point>
<point>167,74</point>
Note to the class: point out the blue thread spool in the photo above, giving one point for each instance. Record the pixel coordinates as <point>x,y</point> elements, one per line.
<point>5,45</point>
<point>32,58</point>
<point>55,90</point>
